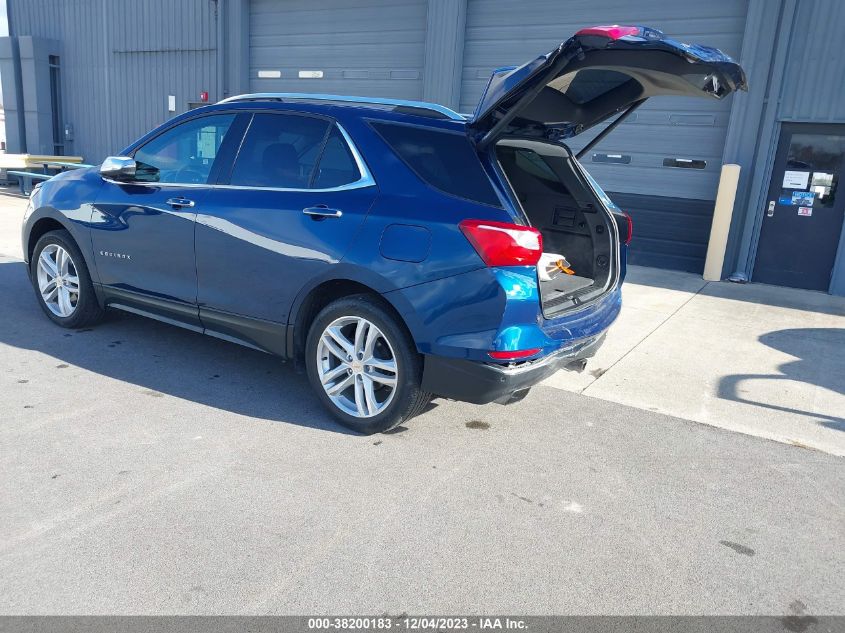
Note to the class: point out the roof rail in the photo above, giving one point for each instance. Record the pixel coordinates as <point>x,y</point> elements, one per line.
<point>297,96</point>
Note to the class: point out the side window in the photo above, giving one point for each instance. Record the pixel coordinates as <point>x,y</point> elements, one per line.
<point>445,160</point>
<point>185,153</point>
<point>337,165</point>
<point>520,163</point>
<point>279,150</point>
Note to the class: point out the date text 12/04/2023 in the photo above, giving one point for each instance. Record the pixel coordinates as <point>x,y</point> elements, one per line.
<point>422,623</point>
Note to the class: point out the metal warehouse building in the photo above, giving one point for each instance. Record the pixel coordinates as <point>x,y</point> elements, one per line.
<point>86,77</point>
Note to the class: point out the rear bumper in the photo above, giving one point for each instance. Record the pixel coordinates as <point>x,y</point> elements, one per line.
<point>480,383</point>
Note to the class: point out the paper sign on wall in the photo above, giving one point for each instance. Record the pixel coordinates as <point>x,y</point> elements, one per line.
<point>803,198</point>
<point>805,211</point>
<point>795,179</point>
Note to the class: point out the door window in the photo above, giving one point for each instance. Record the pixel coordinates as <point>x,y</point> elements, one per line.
<point>337,165</point>
<point>816,158</point>
<point>183,154</point>
<point>280,151</point>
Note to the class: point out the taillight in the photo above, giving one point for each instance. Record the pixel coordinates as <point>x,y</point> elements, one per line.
<point>514,354</point>
<point>612,32</point>
<point>625,225</point>
<point>503,244</point>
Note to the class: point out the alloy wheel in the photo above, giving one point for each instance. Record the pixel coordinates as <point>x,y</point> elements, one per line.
<point>58,280</point>
<point>356,366</point>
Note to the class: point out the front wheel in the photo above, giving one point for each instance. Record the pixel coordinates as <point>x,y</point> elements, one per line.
<point>62,283</point>
<point>364,366</point>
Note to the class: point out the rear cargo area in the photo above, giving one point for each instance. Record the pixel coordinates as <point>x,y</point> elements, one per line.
<point>560,202</point>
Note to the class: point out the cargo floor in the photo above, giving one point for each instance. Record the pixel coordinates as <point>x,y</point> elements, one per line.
<point>555,291</point>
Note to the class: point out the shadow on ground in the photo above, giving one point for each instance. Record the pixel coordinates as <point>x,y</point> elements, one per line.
<point>161,359</point>
<point>807,345</point>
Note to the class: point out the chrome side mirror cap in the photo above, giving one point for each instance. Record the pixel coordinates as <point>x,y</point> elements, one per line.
<point>118,168</point>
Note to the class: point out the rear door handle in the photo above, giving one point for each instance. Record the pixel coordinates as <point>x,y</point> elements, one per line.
<point>322,211</point>
<point>180,202</point>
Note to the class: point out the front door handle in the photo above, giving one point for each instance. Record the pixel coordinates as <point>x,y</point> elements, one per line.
<point>322,211</point>
<point>178,203</point>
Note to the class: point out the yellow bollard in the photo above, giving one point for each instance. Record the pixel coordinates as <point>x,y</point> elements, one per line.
<point>721,223</point>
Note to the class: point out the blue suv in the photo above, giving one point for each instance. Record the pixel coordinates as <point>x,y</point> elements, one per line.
<point>396,250</point>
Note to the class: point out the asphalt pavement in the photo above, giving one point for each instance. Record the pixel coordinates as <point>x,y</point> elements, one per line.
<point>150,470</point>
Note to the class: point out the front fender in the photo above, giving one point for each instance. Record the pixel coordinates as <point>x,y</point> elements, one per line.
<point>65,200</point>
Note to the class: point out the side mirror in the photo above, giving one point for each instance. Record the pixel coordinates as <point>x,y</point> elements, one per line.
<point>118,168</point>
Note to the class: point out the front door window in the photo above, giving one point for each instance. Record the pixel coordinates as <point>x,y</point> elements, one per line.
<point>183,154</point>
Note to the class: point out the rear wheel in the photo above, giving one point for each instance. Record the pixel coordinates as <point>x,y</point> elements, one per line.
<point>61,281</point>
<point>364,366</point>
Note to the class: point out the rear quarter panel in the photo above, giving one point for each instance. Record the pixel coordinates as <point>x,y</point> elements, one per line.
<point>418,258</point>
<point>427,213</point>
<point>453,304</point>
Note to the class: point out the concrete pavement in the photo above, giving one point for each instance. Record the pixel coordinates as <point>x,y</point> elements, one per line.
<point>12,208</point>
<point>757,359</point>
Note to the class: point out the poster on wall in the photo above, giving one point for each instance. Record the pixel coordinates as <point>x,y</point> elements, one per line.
<point>795,179</point>
<point>805,211</point>
<point>803,198</point>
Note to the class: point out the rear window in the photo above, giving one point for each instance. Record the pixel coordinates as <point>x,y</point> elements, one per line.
<point>445,160</point>
<point>520,159</point>
<point>589,83</point>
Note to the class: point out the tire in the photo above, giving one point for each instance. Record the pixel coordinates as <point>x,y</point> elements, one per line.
<point>362,409</point>
<point>80,307</point>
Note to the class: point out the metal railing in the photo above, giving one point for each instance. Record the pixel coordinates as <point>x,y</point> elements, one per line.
<point>25,178</point>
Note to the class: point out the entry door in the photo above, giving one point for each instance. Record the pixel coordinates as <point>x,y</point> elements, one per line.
<point>802,222</point>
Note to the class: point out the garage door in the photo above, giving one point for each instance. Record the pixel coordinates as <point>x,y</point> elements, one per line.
<point>373,48</point>
<point>663,164</point>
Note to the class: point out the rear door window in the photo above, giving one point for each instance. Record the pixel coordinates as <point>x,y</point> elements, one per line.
<point>337,165</point>
<point>443,159</point>
<point>280,151</point>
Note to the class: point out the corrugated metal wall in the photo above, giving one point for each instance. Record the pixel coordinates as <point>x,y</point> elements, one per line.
<point>375,48</point>
<point>507,32</point>
<point>805,85</point>
<point>814,82</point>
<point>813,89</point>
<point>121,59</point>
<point>670,232</point>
